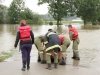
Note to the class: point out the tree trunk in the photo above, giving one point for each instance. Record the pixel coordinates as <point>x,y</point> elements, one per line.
<point>84,22</point>
<point>57,21</point>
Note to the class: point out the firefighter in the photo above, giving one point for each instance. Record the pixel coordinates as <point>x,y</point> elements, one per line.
<point>65,43</point>
<point>26,37</point>
<point>40,47</point>
<point>52,43</point>
<point>73,34</point>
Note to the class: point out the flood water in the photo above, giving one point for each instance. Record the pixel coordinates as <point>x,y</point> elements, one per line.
<point>8,33</point>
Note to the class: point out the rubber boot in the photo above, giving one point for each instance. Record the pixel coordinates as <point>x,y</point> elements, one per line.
<point>73,57</point>
<point>63,62</point>
<point>28,64</point>
<point>48,66</point>
<point>55,65</point>
<point>43,62</point>
<point>24,66</point>
<point>77,58</point>
<point>38,60</point>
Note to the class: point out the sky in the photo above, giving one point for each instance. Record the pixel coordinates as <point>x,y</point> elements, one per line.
<point>31,4</point>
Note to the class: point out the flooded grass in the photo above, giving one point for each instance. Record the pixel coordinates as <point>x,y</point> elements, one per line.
<point>80,22</point>
<point>90,27</point>
<point>5,55</point>
<point>63,22</point>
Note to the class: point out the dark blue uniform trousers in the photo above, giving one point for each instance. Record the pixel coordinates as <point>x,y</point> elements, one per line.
<point>26,50</point>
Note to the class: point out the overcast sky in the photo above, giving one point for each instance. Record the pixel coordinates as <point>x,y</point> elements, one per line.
<point>32,4</point>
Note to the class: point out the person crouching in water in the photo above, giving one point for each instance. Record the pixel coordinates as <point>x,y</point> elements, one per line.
<point>40,47</point>
<point>26,37</point>
<point>65,43</point>
<point>52,43</point>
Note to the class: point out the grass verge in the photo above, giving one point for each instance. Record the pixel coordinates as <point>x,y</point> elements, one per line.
<point>5,55</point>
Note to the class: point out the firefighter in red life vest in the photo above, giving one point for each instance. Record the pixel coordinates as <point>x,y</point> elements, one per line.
<point>65,43</point>
<point>73,33</point>
<point>26,37</point>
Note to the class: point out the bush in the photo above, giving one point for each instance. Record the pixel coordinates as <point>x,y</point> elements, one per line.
<point>94,23</point>
<point>50,23</point>
<point>29,21</point>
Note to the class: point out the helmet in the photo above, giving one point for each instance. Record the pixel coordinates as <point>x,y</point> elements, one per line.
<point>50,30</point>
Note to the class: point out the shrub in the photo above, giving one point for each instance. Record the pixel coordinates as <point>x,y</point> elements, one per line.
<point>50,23</point>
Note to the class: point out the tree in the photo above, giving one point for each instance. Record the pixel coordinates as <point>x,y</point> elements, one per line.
<point>26,14</point>
<point>3,14</point>
<point>58,8</point>
<point>14,11</point>
<point>30,16</point>
<point>89,10</point>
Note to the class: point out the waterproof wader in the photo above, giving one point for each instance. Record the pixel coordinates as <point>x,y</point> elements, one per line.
<point>75,49</point>
<point>48,58</point>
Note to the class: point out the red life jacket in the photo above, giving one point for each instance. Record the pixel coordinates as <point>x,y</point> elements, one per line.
<point>75,33</point>
<point>61,39</point>
<point>24,33</point>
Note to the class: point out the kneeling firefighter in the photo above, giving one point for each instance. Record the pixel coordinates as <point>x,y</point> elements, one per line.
<point>52,44</point>
<point>40,47</point>
<point>65,43</point>
<point>26,37</point>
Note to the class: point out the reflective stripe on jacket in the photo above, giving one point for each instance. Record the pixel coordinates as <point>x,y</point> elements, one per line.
<point>51,41</point>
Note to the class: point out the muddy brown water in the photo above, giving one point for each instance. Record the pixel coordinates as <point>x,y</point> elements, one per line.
<point>89,47</point>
